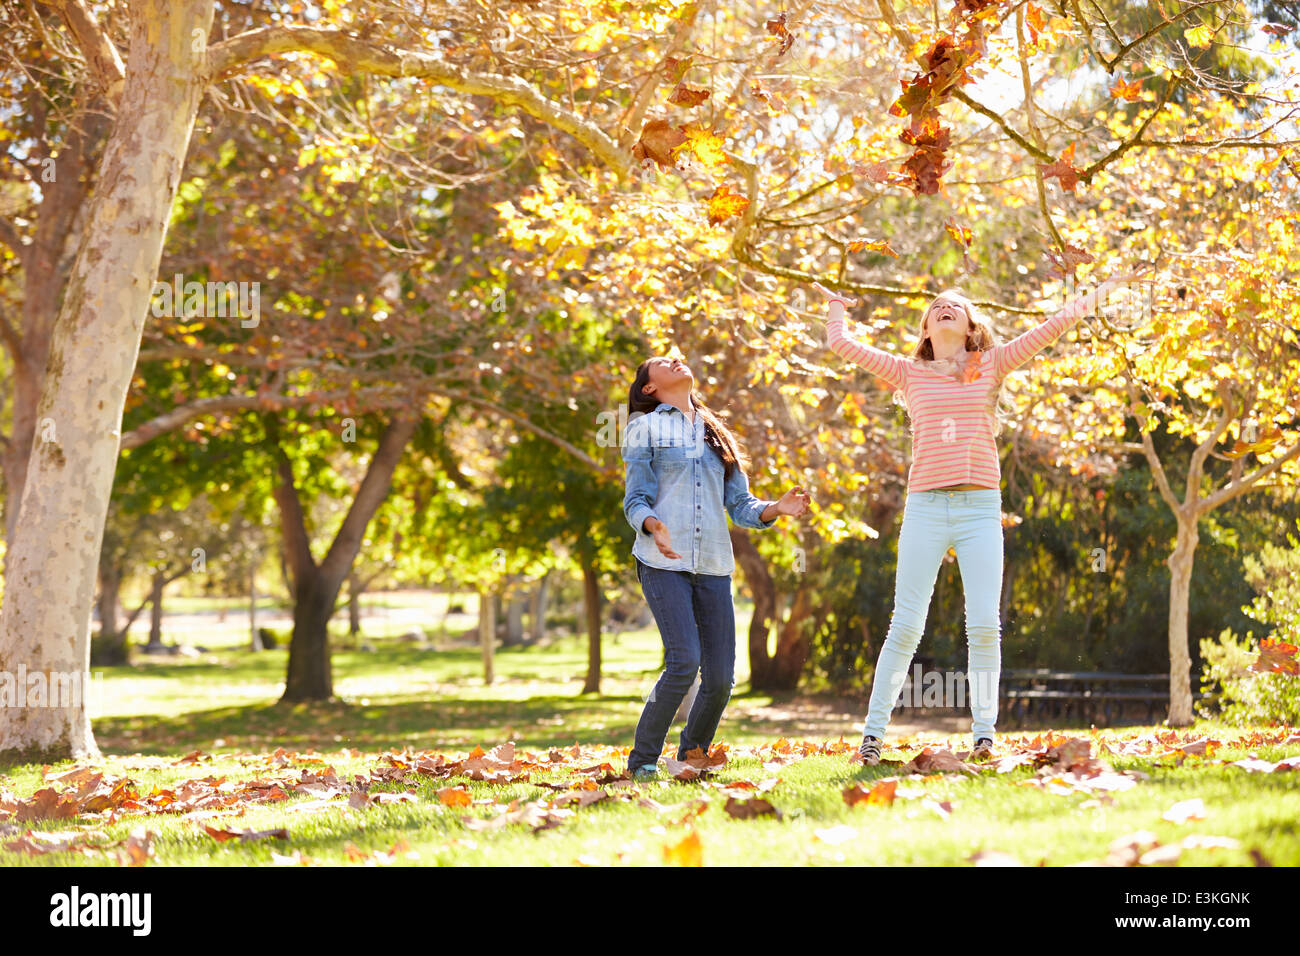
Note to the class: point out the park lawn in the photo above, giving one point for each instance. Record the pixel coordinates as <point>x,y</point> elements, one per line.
<point>401,698</point>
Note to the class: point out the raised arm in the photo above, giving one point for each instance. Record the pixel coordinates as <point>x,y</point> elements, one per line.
<point>879,363</point>
<point>1011,355</point>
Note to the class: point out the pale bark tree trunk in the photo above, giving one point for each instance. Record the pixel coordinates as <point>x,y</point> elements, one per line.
<point>51,568</point>
<point>487,634</point>
<point>46,263</point>
<point>1180,587</point>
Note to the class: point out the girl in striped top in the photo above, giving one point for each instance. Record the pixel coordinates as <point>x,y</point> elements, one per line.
<point>951,384</point>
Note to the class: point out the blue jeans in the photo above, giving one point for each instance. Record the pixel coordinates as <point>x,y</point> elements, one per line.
<point>970,522</point>
<point>697,623</point>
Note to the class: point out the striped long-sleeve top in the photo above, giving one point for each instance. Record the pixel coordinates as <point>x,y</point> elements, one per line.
<point>953,422</point>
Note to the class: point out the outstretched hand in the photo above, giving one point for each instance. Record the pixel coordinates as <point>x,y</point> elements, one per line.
<point>834,295</point>
<point>794,502</point>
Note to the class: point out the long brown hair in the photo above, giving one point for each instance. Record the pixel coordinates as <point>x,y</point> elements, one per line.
<point>716,435</point>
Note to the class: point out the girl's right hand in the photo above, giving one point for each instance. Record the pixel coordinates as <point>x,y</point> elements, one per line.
<point>663,543</point>
<point>849,303</point>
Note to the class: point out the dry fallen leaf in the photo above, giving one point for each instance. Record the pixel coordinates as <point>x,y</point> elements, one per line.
<point>687,852</point>
<point>750,809</point>
<point>881,794</point>
<point>1184,811</point>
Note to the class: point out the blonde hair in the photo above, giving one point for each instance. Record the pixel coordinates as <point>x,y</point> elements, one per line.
<point>981,338</point>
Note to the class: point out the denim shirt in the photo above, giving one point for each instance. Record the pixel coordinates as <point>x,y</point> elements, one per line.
<point>675,476</point>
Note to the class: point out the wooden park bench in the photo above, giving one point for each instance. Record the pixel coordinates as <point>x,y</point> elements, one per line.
<point>1093,697</point>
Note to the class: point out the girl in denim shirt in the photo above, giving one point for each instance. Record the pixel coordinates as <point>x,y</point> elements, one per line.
<point>684,470</point>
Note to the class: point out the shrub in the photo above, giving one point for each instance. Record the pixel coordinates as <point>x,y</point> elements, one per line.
<point>1232,679</point>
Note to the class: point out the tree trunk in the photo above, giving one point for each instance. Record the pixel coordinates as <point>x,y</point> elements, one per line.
<point>794,645</point>
<point>46,264</point>
<point>112,635</point>
<point>487,633</point>
<point>354,607</point>
<point>254,638</point>
<point>316,586</point>
<point>51,569</point>
<point>309,676</point>
<point>591,600</point>
<point>155,609</point>
<point>515,619</point>
<point>1180,586</point>
<point>537,611</point>
<point>763,591</point>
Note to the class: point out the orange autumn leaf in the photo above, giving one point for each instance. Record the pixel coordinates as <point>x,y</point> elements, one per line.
<point>724,204</point>
<point>455,797</point>
<point>1063,169</point>
<point>687,852</point>
<point>881,794</point>
<point>872,245</point>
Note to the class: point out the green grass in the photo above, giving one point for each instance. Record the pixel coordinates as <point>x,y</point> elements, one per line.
<point>401,697</point>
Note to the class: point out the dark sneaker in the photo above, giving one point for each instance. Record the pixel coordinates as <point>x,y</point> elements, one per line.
<point>869,751</point>
<point>983,749</point>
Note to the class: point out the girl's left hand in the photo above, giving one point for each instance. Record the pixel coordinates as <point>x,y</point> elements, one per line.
<point>794,502</point>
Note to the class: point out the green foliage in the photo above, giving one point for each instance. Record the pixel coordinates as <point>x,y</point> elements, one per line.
<point>1239,696</point>
<point>1243,695</point>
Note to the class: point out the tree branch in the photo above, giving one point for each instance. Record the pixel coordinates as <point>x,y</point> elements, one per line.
<point>101,56</point>
<point>523,422</point>
<point>1235,488</point>
<point>374,489</point>
<point>356,55</point>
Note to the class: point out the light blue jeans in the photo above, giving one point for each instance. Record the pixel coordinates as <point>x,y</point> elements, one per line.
<point>970,522</point>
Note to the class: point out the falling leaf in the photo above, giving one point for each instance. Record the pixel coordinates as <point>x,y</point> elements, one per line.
<point>872,245</point>
<point>960,234</point>
<point>1199,37</point>
<point>1277,657</point>
<point>1063,169</point>
<point>777,27</point>
<point>1130,90</point>
<point>684,95</point>
<point>1065,265</point>
<point>724,204</point>
<point>659,141</point>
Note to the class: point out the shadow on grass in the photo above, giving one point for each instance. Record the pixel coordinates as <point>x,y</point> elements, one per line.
<point>433,724</point>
